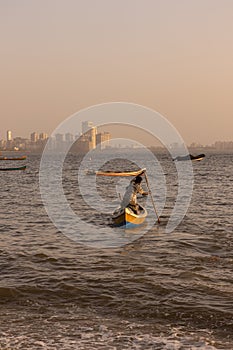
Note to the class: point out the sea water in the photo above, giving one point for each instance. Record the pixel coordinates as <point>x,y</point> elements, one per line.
<point>157,290</point>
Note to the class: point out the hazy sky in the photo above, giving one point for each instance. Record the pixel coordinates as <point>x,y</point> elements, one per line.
<point>175,56</point>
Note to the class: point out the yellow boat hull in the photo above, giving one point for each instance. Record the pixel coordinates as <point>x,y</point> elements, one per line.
<point>126,217</point>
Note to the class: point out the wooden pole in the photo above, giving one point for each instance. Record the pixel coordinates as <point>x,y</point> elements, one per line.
<point>152,200</point>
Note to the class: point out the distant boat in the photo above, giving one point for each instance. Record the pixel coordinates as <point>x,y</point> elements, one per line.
<point>190,157</point>
<point>12,169</point>
<point>121,173</point>
<point>128,218</point>
<point>115,173</point>
<point>13,158</point>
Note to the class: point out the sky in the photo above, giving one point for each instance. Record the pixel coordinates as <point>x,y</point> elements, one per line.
<point>174,56</point>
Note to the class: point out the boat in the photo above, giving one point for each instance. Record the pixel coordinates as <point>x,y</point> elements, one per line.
<point>198,157</point>
<point>120,173</point>
<point>190,157</point>
<point>12,169</point>
<point>13,158</point>
<point>128,218</point>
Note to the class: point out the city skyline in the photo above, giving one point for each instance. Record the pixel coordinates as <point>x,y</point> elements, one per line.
<point>4,137</point>
<point>82,142</point>
<point>70,138</point>
<point>175,57</point>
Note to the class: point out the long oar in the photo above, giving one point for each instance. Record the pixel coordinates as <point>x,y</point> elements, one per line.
<point>152,200</point>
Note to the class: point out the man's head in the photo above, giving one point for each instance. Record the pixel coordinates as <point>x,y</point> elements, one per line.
<point>138,179</point>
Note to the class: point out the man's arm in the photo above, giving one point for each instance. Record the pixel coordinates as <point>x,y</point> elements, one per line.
<point>141,191</point>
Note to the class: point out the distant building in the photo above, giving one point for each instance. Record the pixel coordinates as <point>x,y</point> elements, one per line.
<point>82,145</point>
<point>87,125</point>
<point>59,142</point>
<point>9,141</point>
<point>51,143</point>
<point>59,138</point>
<point>9,135</point>
<point>91,134</point>
<point>90,139</point>
<point>196,145</point>
<point>223,145</point>
<point>43,136</point>
<point>69,137</point>
<point>2,144</point>
<point>34,137</point>
<point>20,143</point>
<point>103,139</point>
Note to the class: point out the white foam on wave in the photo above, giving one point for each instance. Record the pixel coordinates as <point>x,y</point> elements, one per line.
<point>104,338</point>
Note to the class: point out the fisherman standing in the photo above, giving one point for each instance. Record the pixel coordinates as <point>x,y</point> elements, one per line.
<point>130,196</point>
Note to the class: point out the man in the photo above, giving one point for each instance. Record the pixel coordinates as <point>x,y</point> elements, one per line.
<point>130,196</point>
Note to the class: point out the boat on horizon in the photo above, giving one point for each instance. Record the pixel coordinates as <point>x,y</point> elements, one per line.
<point>190,157</point>
<point>13,158</point>
<point>13,169</point>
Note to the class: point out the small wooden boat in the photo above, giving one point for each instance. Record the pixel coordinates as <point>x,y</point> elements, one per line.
<point>190,157</point>
<point>12,169</point>
<point>198,158</point>
<point>128,218</point>
<point>120,173</point>
<point>13,158</point>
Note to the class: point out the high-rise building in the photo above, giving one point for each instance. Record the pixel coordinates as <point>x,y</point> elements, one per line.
<point>82,145</point>
<point>103,139</point>
<point>69,137</point>
<point>43,136</point>
<point>9,135</point>
<point>92,137</point>
<point>2,144</point>
<point>34,137</point>
<point>89,131</point>
<point>88,139</point>
<point>59,137</point>
<point>87,125</point>
<point>59,142</point>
